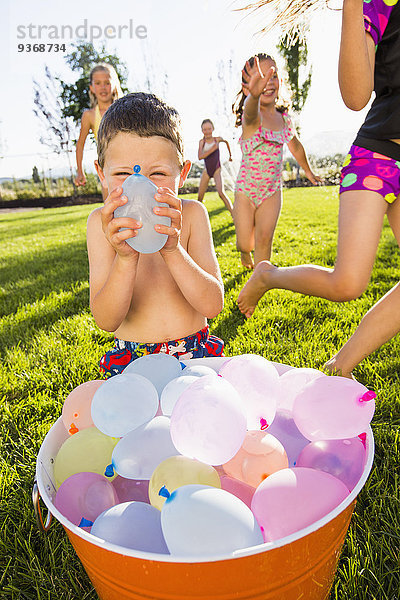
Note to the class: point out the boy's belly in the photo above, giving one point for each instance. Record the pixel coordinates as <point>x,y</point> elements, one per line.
<point>159,312</point>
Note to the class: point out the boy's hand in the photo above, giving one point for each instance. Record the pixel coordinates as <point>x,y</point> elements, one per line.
<point>254,80</point>
<point>174,212</point>
<point>112,226</point>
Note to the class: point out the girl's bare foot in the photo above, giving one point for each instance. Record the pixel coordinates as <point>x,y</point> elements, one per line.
<point>334,369</point>
<point>247,260</point>
<point>256,287</point>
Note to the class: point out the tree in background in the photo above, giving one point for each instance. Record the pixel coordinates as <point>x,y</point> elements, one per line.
<point>293,49</point>
<point>82,59</point>
<point>35,175</point>
<point>49,107</point>
<point>295,54</point>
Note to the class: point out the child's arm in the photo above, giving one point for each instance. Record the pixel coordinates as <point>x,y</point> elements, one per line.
<point>195,271</point>
<point>112,263</point>
<point>204,153</point>
<point>297,150</point>
<point>254,82</point>
<point>80,144</point>
<point>356,57</point>
<point>220,139</point>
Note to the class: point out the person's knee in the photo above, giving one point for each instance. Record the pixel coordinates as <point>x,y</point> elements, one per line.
<point>346,288</point>
<point>242,246</point>
<point>264,239</point>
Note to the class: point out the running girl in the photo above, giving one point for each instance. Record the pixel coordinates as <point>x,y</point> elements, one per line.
<point>209,151</point>
<point>369,60</point>
<point>266,127</point>
<point>104,89</point>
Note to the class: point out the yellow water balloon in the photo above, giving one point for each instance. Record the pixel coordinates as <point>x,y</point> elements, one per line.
<point>176,471</point>
<point>89,450</point>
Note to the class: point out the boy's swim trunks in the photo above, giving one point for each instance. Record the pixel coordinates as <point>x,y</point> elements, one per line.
<point>198,345</point>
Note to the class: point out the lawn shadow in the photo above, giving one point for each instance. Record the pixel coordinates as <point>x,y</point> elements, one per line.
<point>53,270</point>
<point>216,211</point>
<point>222,234</point>
<point>13,333</point>
<point>41,226</point>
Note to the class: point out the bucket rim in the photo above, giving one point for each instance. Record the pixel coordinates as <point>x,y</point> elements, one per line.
<point>58,428</point>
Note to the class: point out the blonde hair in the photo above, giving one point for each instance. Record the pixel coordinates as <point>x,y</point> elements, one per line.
<point>283,102</point>
<point>115,84</point>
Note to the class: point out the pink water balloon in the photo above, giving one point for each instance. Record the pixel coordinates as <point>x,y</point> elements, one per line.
<point>76,413</point>
<point>261,455</point>
<point>129,490</point>
<point>333,408</point>
<point>257,382</point>
<point>292,382</point>
<point>344,459</point>
<point>208,421</point>
<point>285,430</point>
<point>239,489</point>
<point>83,496</point>
<point>291,499</point>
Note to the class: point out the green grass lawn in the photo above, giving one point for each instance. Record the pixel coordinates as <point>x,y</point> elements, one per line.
<point>49,344</point>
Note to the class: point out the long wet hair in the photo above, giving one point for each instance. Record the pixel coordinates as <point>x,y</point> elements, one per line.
<point>115,84</point>
<point>290,16</point>
<point>283,102</point>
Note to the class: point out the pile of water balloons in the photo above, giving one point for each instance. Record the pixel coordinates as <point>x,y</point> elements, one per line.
<point>186,460</point>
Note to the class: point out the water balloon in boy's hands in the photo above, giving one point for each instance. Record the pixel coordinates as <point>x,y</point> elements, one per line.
<point>143,205</point>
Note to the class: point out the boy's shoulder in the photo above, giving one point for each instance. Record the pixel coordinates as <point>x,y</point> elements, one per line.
<point>193,209</point>
<point>94,217</point>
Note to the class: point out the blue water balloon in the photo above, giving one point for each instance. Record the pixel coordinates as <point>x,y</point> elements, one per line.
<point>123,403</point>
<point>199,520</point>
<point>133,525</point>
<point>140,193</point>
<point>158,368</point>
<point>139,452</point>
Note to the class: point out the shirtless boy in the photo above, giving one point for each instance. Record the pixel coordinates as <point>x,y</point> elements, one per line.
<point>152,302</point>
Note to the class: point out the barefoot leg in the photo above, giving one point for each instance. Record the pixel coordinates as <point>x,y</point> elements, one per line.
<point>219,184</point>
<point>243,218</point>
<point>255,288</point>
<point>266,218</point>
<point>203,185</point>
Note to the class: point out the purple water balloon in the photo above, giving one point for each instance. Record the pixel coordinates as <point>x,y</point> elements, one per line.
<point>83,497</point>
<point>131,489</point>
<point>342,458</point>
<point>285,430</point>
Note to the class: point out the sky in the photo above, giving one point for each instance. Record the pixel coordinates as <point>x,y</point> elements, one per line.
<point>189,41</point>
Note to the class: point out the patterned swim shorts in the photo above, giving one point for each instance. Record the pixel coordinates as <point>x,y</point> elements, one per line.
<point>367,170</point>
<point>198,345</point>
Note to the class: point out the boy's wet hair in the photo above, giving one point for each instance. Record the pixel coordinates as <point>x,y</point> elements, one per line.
<point>144,115</point>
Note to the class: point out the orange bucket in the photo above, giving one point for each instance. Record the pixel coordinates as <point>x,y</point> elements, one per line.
<point>299,566</point>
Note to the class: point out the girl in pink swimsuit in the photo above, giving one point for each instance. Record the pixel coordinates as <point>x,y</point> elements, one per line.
<point>266,126</point>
